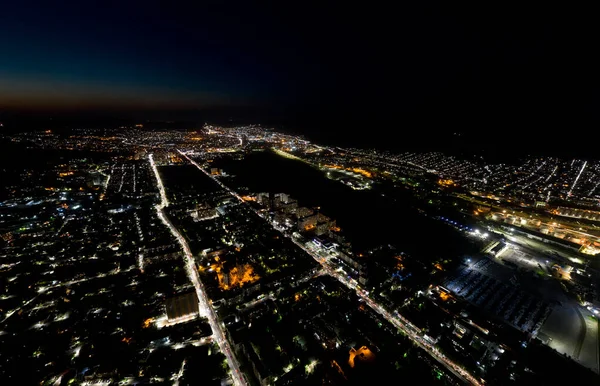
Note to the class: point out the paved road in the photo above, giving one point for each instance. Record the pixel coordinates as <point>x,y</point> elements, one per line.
<point>581,337</point>
<point>396,319</point>
<point>206,308</point>
<point>589,354</point>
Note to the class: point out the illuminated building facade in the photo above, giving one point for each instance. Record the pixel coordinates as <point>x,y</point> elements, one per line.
<point>363,354</point>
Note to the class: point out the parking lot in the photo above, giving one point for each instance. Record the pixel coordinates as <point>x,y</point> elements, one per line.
<point>503,299</point>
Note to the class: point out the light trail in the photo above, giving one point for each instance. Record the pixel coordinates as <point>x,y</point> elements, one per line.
<point>230,191</point>
<point>395,319</point>
<point>106,182</point>
<point>141,237</point>
<point>532,174</point>
<point>205,306</point>
<point>12,312</point>
<point>62,226</point>
<point>551,174</point>
<point>141,262</point>
<point>179,374</point>
<point>123,172</point>
<point>287,155</point>
<point>134,179</point>
<point>576,179</point>
<point>42,290</point>
<point>112,168</point>
<point>593,189</point>
<point>164,202</point>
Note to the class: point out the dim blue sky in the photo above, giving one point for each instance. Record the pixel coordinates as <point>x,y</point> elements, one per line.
<point>431,64</point>
<point>124,52</point>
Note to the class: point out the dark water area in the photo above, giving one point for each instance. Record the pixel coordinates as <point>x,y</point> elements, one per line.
<point>367,217</point>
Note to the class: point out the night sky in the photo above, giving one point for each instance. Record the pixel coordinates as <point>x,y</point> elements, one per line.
<point>410,67</point>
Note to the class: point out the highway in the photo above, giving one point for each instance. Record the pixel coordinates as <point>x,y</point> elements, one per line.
<point>570,193</point>
<point>395,318</point>
<point>206,308</point>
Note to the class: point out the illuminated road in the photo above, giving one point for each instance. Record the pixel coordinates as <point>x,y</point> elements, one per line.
<point>385,159</point>
<point>42,290</point>
<point>206,308</point>
<point>576,179</point>
<point>161,188</point>
<point>12,312</point>
<point>396,319</point>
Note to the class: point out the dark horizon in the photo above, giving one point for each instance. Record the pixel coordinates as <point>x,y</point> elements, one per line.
<point>463,142</point>
<point>288,193</point>
<point>402,75</point>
